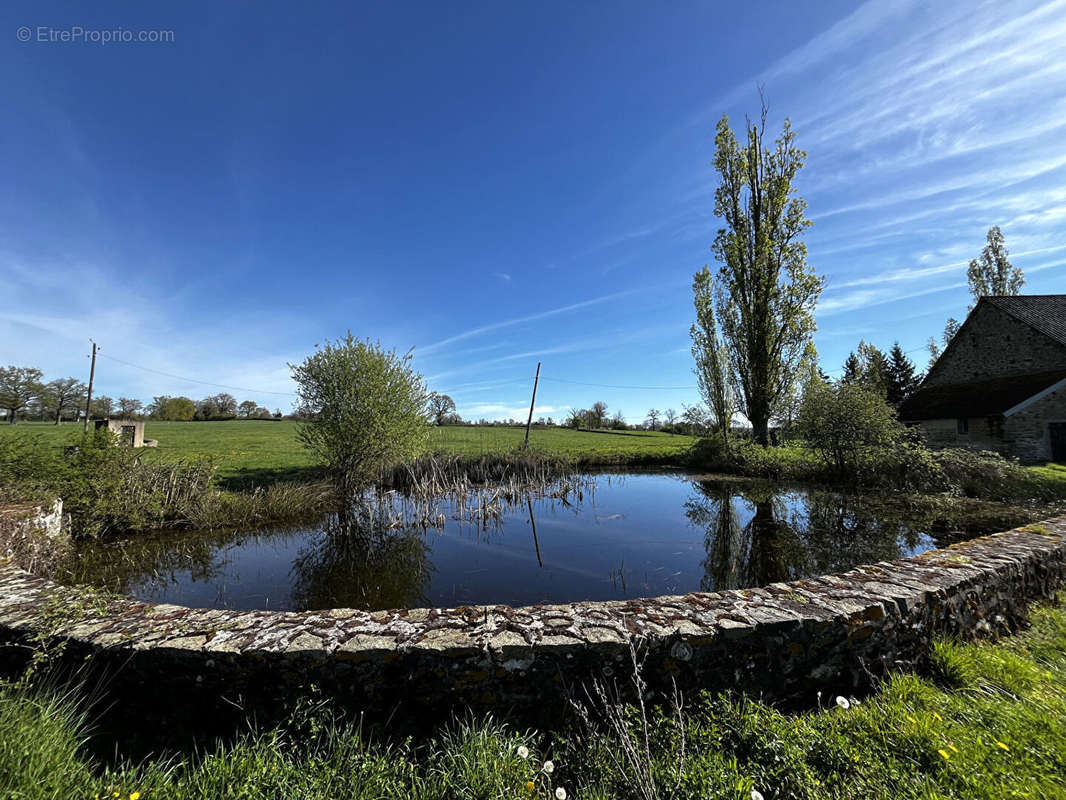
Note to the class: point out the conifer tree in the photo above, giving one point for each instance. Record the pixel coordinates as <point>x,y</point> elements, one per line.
<point>901,374</point>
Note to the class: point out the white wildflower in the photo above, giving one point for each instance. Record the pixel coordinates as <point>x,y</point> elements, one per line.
<point>523,751</point>
<point>548,768</point>
<point>756,794</point>
<point>560,793</point>
<point>843,702</point>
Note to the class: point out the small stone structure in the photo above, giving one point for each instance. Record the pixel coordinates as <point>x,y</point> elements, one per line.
<point>29,520</point>
<point>130,432</point>
<point>785,642</point>
<point>1001,382</point>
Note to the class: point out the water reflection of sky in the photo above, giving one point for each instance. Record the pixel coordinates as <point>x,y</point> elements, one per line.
<point>634,536</point>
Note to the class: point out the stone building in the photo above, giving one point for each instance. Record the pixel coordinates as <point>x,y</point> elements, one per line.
<point>1001,382</point>
<point>130,432</point>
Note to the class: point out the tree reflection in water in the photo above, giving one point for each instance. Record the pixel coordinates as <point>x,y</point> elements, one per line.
<point>788,534</point>
<point>154,559</point>
<point>362,563</point>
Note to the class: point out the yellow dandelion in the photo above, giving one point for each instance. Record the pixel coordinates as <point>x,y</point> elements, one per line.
<point>938,717</point>
<point>1002,746</point>
<point>530,785</point>
<point>951,747</point>
<point>945,755</point>
<point>135,796</point>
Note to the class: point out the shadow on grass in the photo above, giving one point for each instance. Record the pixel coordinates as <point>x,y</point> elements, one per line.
<point>245,480</point>
<point>639,435</point>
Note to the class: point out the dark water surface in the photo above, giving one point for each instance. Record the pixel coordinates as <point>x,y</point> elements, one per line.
<point>637,535</point>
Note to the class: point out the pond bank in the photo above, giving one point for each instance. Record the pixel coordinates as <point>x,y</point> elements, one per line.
<point>784,642</point>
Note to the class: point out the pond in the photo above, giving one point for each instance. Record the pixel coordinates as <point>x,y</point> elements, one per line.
<point>612,538</point>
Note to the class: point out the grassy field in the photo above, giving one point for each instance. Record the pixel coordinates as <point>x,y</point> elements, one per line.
<point>988,722</point>
<point>263,450</point>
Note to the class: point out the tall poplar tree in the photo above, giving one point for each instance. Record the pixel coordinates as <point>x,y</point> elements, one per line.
<point>992,274</point>
<point>712,366</point>
<point>765,292</point>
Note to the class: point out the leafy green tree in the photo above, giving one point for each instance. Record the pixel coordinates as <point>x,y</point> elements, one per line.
<point>217,406</point>
<point>868,367</point>
<point>128,407</point>
<point>172,408</point>
<point>846,423</point>
<point>902,377</point>
<point>102,407</point>
<point>247,409</point>
<point>19,386</point>
<point>62,394</point>
<point>951,327</point>
<point>874,368</point>
<point>992,274</point>
<point>696,419</point>
<point>765,292</point>
<point>365,409</point>
<point>597,415</point>
<point>713,375</point>
<point>440,406</point>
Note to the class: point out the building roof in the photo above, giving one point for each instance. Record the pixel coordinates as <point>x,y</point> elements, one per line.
<point>976,399</point>
<point>1042,312</point>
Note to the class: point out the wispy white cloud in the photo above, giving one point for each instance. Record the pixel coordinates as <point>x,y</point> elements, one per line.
<point>468,334</point>
<point>916,273</point>
<point>866,298</point>
<point>52,311</point>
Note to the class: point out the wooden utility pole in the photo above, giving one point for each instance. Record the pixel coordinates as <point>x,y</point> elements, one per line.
<point>533,400</point>
<point>89,394</point>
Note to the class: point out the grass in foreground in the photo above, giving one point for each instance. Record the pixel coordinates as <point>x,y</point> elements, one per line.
<point>989,723</point>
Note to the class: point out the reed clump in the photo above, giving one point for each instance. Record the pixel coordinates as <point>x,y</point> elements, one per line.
<point>445,473</point>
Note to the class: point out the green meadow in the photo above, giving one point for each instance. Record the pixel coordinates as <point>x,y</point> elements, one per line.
<point>268,450</point>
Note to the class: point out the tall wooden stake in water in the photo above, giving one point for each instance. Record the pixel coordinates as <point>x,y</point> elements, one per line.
<point>89,394</point>
<point>532,400</point>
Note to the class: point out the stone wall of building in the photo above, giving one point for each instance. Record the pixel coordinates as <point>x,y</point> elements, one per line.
<point>1028,430</point>
<point>993,344</point>
<point>785,641</point>
<point>984,433</point>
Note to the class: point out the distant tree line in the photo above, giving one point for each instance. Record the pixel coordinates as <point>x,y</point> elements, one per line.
<point>24,394</point>
<point>221,406</point>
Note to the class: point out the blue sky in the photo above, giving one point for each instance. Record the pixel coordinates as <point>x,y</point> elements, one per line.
<point>498,183</point>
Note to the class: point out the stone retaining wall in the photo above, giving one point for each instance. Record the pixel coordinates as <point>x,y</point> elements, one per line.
<point>785,641</point>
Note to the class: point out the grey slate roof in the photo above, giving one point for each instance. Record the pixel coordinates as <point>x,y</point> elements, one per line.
<point>1042,312</point>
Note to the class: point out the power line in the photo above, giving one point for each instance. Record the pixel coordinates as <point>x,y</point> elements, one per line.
<point>195,380</point>
<point>620,386</point>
